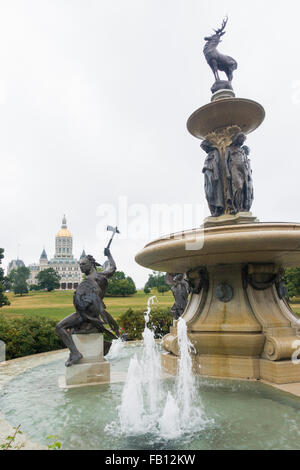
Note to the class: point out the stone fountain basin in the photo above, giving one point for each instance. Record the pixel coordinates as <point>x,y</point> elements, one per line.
<point>277,243</point>
<point>241,112</point>
<point>246,415</point>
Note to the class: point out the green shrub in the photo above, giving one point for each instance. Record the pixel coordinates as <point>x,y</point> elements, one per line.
<point>158,281</point>
<point>28,335</point>
<point>132,322</point>
<point>120,285</point>
<point>34,288</point>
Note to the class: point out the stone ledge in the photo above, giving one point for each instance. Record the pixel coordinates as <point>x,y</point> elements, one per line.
<point>281,372</point>
<point>80,374</point>
<point>238,219</point>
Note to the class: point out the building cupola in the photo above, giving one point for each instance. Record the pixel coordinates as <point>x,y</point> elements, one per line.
<point>64,241</point>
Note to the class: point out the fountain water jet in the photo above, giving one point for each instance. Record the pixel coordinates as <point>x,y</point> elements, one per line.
<point>131,411</point>
<point>142,392</point>
<point>116,348</point>
<point>181,409</point>
<point>145,406</point>
<point>185,389</point>
<point>170,421</point>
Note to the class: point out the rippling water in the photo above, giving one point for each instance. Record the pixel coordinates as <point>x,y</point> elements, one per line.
<point>241,415</point>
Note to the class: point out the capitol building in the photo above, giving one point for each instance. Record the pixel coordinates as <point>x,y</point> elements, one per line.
<point>63,262</point>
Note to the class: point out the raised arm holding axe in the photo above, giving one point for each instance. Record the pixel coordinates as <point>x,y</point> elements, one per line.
<point>109,267</point>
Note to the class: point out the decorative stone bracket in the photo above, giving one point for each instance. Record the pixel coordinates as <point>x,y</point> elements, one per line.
<point>198,280</point>
<point>262,277</point>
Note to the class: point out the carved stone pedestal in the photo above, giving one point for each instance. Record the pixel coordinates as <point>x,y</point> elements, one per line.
<point>222,94</point>
<point>237,318</point>
<point>240,327</point>
<point>93,368</point>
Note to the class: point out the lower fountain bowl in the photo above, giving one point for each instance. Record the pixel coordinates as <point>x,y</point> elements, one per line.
<point>274,243</point>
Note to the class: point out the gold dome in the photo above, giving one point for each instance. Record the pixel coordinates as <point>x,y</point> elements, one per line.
<point>64,232</point>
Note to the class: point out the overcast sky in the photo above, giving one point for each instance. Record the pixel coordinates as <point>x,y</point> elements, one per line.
<point>94,99</point>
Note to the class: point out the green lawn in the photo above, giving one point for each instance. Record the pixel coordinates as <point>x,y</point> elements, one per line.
<point>59,304</point>
<point>295,305</point>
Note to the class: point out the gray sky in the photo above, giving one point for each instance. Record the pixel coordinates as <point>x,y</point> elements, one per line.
<point>94,99</point>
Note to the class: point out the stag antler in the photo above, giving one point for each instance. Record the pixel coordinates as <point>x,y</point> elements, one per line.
<point>221,31</point>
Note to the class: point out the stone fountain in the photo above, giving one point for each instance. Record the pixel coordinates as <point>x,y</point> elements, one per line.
<point>238,318</point>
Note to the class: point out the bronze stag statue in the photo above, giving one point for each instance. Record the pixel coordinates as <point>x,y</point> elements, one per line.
<point>217,61</point>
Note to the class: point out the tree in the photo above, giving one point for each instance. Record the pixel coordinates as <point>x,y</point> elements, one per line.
<point>292,280</point>
<point>19,278</point>
<point>48,279</point>
<point>120,285</point>
<point>8,282</point>
<point>157,280</point>
<point>162,289</point>
<point>3,298</point>
<point>34,287</point>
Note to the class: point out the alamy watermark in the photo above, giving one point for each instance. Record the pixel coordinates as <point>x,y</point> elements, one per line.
<point>148,222</point>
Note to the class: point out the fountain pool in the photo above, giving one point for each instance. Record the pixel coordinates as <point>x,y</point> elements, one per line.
<point>239,415</point>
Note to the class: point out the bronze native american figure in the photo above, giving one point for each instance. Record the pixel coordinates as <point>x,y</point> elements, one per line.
<point>90,315</point>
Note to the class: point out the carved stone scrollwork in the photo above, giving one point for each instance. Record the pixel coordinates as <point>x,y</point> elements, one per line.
<point>263,277</point>
<point>279,348</point>
<point>198,280</point>
<point>222,138</point>
<point>262,284</point>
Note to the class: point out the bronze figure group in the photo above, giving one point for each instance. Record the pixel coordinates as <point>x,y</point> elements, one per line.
<point>228,184</point>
